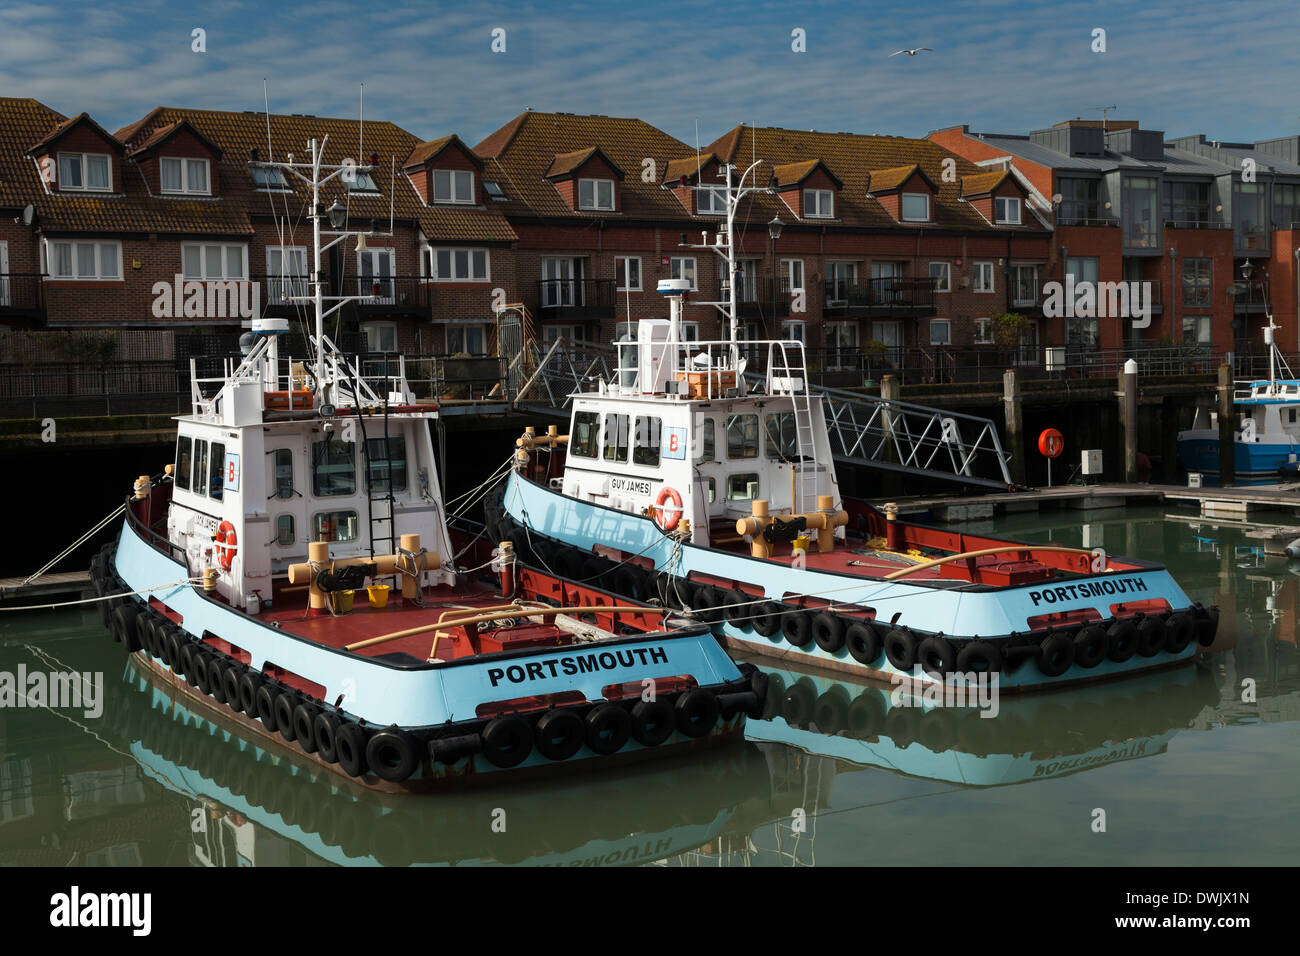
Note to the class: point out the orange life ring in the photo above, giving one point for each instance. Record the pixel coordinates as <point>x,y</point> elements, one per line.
<point>667,518</point>
<point>227,545</point>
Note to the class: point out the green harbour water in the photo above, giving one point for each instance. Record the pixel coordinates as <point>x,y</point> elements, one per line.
<point>1197,765</point>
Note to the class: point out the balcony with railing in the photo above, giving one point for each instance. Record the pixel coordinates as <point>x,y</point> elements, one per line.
<point>767,298</point>
<point>384,295</point>
<point>891,297</point>
<point>22,295</point>
<point>1252,297</point>
<point>579,300</point>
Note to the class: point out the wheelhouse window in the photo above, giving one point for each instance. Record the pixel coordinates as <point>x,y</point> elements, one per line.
<point>386,464</point>
<point>453,186</point>
<point>217,473</point>
<point>616,437</point>
<point>85,260</point>
<point>282,472</point>
<point>85,172</point>
<point>199,475</point>
<point>333,468</point>
<point>184,450</point>
<point>285,533</point>
<point>628,270</point>
<point>742,436</point>
<point>916,207</point>
<point>742,487</point>
<point>708,442</point>
<point>818,204</point>
<point>646,449</point>
<point>583,442</point>
<point>188,176</point>
<point>459,265</point>
<point>1006,210</point>
<point>335,526</point>
<point>781,442</point>
<point>213,262</point>
<point>596,194</point>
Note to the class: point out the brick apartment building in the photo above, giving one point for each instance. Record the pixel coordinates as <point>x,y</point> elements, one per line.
<point>1212,225</point>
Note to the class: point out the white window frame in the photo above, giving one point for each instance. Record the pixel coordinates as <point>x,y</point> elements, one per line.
<point>675,273</point>
<point>789,268</point>
<point>1013,203</point>
<point>716,198</point>
<point>984,331</point>
<point>794,330</point>
<point>690,331</point>
<point>947,331</point>
<point>454,194</point>
<point>281,187</point>
<point>75,259</point>
<point>464,330</point>
<point>903,202</point>
<point>436,276</point>
<point>1202,323</point>
<point>825,210</point>
<point>372,330</point>
<point>186,189</point>
<point>947,276</point>
<point>622,273</point>
<point>225,248</point>
<point>280,282</point>
<point>81,158</point>
<point>595,203</point>
<point>982,269</point>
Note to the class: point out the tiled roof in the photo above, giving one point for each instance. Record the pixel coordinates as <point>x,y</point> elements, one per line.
<point>426,151</point>
<point>882,180</point>
<point>523,152</point>
<point>164,133</point>
<point>66,126</point>
<point>981,183</point>
<point>853,158</point>
<point>689,167</point>
<point>22,123</point>
<point>787,174</point>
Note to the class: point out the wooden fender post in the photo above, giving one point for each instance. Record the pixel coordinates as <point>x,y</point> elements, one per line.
<point>318,553</point>
<point>385,564</point>
<point>754,526</point>
<point>411,583</point>
<point>831,519</point>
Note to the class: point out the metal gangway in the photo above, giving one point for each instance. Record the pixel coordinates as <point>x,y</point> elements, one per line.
<point>863,430</point>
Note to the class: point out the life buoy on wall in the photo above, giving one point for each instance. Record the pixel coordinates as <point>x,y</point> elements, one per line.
<point>227,545</point>
<point>665,517</point>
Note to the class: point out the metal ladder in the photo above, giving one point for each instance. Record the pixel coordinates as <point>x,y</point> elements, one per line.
<point>805,437</point>
<point>377,521</point>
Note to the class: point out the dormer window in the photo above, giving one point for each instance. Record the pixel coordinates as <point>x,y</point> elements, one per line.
<point>494,190</point>
<point>1006,211</point>
<point>84,171</point>
<point>362,183</point>
<point>818,204</point>
<point>268,177</point>
<point>711,202</point>
<point>916,207</point>
<point>596,194</point>
<point>189,176</point>
<point>453,185</point>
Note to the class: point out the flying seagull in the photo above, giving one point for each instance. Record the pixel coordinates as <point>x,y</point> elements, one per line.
<point>913,52</point>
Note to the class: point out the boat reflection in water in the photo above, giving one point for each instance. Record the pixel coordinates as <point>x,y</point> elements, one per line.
<point>250,807</point>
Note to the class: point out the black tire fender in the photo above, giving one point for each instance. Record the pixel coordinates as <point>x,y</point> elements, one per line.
<point>828,631</point>
<point>391,754</point>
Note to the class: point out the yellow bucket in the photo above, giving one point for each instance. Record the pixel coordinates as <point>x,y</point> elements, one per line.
<point>342,601</point>
<point>378,595</point>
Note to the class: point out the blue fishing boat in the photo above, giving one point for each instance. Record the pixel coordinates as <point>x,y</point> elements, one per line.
<point>686,481</point>
<point>1268,441</point>
<point>293,568</point>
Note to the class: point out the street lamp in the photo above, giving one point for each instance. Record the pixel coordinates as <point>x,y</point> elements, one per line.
<point>338,215</point>
<point>773,234</point>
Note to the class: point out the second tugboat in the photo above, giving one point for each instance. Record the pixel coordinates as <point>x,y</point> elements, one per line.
<point>685,480</point>
<point>248,607</point>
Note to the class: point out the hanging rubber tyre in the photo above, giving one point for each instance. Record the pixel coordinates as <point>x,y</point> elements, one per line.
<point>304,728</point>
<point>1179,632</point>
<point>1016,650</point>
<point>1151,635</point>
<point>142,634</point>
<point>559,734</point>
<point>706,602</point>
<point>629,581</point>
<point>797,703</point>
<point>284,705</point>
<point>767,618</point>
<point>507,741</point>
<point>696,712</point>
<point>1207,625</point>
<point>828,631</point>
<point>1090,646</point>
<point>391,754</point>
<point>936,656</point>
<point>608,728</point>
<point>979,657</point>
<point>325,731</point>
<point>351,744</point>
<point>202,661</point>
<point>123,623</point>
<point>266,696</point>
<point>104,606</point>
<point>249,684</point>
<point>738,610</point>
<point>190,654</point>
<point>864,643</point>
<point>230,687</point>
<point>867,714</point>
<point>652,722</point>
<point>831,710</point>
<point>1055,654</point>
<point>172,646</point>
<point>217,679</point>
<point>543,553</point>
<point>569,563</point>
<point>594,570</point>
<point>1122,641</point>
<point>796,628</point>
<point>900,648</point>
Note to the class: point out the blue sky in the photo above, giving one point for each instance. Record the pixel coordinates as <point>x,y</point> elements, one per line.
<point>1225,69</point>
